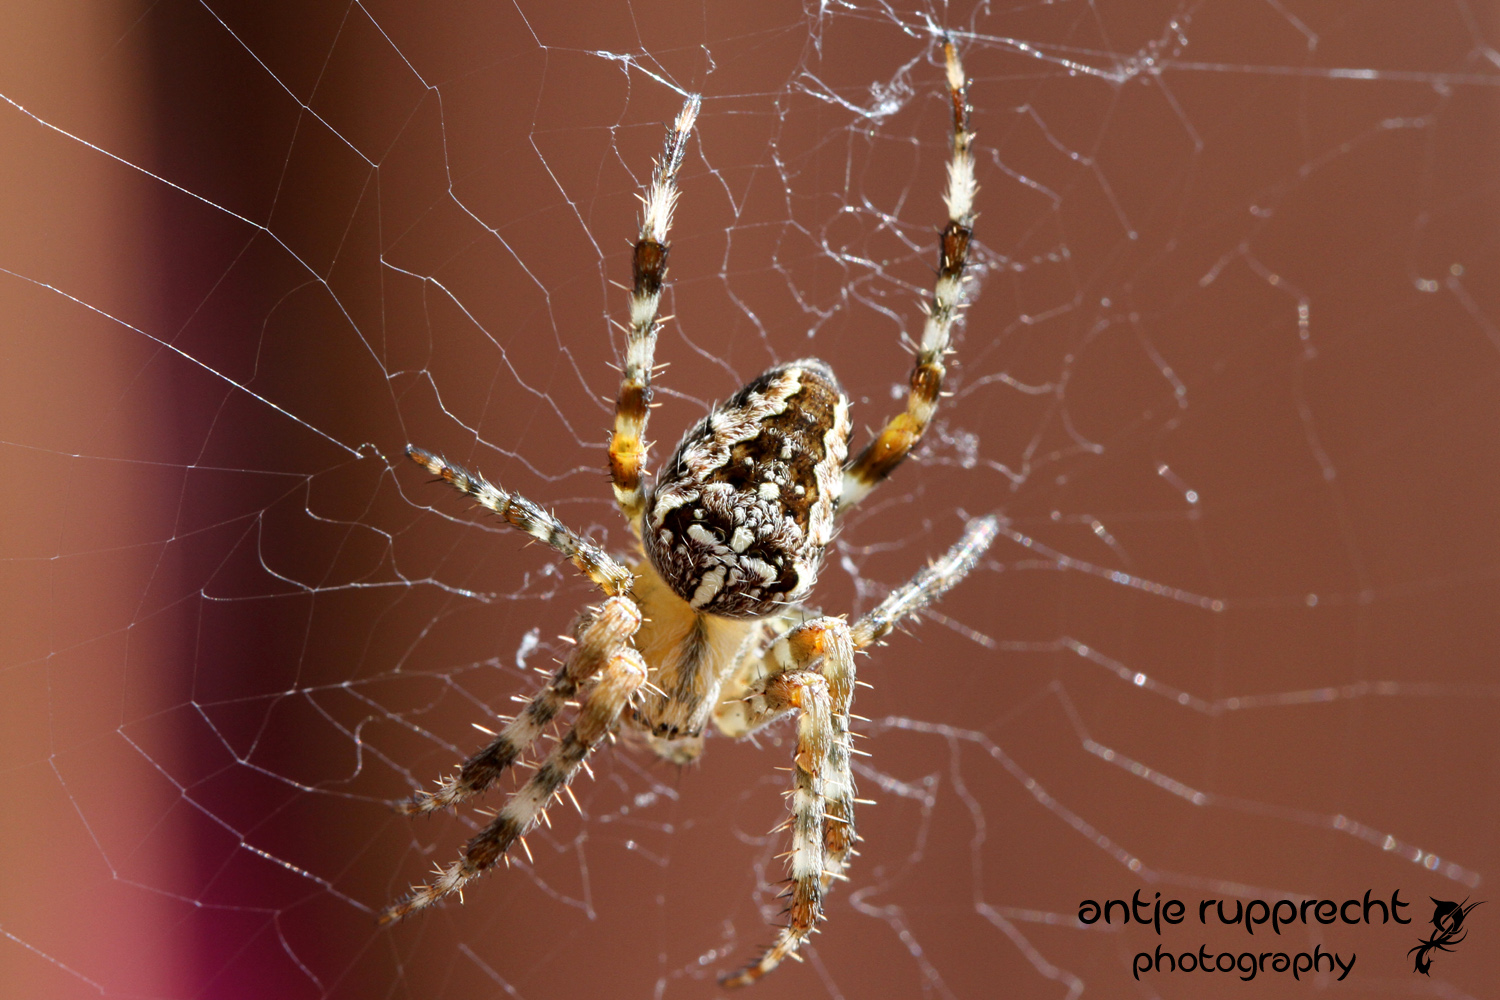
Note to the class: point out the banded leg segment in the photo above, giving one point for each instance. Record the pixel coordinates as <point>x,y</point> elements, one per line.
<point>818,686</point>
<point>823,794</point>
<point>609,575</point>
<point>599,637</point>
<point>627,446</point>
<point>901,434</point>
<point>621,679</point>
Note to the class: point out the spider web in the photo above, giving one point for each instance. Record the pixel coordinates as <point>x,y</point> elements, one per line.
<point>1229,378</point>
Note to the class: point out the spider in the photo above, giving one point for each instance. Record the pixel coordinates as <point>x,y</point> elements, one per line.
<point>706,622</point>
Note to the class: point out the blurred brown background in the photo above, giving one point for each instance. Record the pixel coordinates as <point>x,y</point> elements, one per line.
<point>1230,375</point>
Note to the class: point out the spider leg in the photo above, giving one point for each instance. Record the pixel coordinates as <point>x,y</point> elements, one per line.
<point>819,686</point>
<point>599,636</point>
<point>901,434</point>
<point>627,446</point>
<point>931,583</point>
<point>810,670</point>
<point>607,574</point>
<point>621,678</point>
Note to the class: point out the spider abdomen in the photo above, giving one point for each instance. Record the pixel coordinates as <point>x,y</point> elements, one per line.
<point>737,522</point>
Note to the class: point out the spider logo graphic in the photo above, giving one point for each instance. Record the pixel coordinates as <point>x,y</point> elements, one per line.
<point>1448,921</point>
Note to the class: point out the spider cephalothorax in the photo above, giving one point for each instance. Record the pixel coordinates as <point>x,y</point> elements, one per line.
<point>705,622</point>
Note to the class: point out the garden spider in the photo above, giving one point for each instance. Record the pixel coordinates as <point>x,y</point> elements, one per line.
<point>706,621</point>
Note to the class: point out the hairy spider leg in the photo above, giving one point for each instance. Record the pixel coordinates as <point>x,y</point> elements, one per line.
<point>602,633</point>
<point>931,583</point>
<point>627,446</point>
<point>901,434</point>
<point>819,687</point>
<point>810,669</point>
<point>623,674</point>
<point>608,575</point>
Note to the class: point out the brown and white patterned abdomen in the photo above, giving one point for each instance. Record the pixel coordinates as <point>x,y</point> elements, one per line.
<point>738,520</point>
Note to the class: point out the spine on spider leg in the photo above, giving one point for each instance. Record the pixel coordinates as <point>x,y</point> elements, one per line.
<point>599,635</point>
<point>901,434</point>
<point>614,579</point>
<point>617,688</point>
<point>808,692</point>
<point>928,585</point>
<point>627,448</point>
